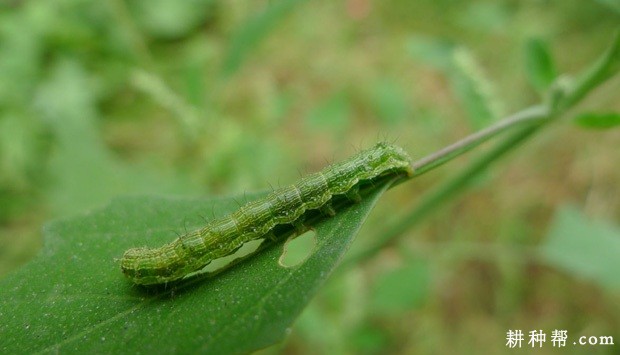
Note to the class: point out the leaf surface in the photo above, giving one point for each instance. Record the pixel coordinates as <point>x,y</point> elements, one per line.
<point>73,297</point>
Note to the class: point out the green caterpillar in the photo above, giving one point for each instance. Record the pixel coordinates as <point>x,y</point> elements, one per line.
<point>257,219</point>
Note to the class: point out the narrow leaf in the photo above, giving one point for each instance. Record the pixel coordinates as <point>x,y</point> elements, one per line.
<point>539,65</point>
<point>598,120</point>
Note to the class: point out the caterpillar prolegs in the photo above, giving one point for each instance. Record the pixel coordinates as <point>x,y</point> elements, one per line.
<point>257,219</point>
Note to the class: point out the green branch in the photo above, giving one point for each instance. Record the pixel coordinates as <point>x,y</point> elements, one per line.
<point>531,116</point>
<point>563,96</point>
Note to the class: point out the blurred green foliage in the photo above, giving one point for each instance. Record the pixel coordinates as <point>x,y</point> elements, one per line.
<point>594,257</point>
<point>539,64</point>
<point>598,120</point>
<point>99,99</point>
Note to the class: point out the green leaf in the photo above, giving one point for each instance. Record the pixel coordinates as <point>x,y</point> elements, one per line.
<point>539,65</point>
<point>598,120</point>
<point>73,297</point>
<point>584,247</point>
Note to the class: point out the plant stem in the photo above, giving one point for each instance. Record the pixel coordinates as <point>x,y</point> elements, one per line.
<point>445,192</point>
<point>604,68</point>
<point>532,115</point>
<point>536,117</point>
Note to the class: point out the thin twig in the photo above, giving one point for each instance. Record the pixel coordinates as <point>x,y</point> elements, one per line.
<point>532,115</point>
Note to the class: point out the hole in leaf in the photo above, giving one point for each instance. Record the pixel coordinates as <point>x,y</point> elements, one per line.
<point>223,262</point>
<point>298,248</point>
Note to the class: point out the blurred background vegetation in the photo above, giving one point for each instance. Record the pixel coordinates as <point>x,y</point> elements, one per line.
<point>207,97</point>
